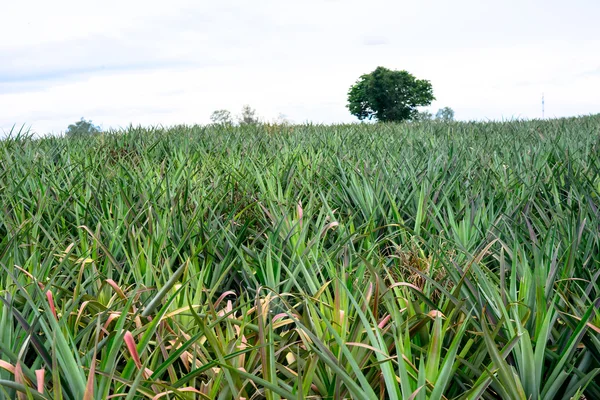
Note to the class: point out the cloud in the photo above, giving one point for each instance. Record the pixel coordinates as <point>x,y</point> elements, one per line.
<point>93,55</point>
<point>46,76</point>
<point>375,41</point>
<point>591,72</point>
<point>153,62</point>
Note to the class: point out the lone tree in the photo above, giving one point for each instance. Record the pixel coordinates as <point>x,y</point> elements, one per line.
<point>221,117</point>
<point>388,95</point>
<point>445,114</point>
<point>82,128</point>
<point>248,116</point>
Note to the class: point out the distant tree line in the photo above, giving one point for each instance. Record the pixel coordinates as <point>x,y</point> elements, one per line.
<point>224,117</point>
<point>383,95</point>
<point>248,116</point>
<point>445,114</point>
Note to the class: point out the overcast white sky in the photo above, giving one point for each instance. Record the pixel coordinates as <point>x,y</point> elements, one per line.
<point>169,62</point>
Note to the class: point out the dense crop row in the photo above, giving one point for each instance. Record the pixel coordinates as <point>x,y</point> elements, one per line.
<point>410,261</point>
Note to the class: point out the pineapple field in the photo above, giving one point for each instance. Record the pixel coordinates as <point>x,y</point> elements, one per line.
<point>411,261</point>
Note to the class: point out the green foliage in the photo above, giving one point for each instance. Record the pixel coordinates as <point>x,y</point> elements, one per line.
<point>82,128</point>
<point>248,116</point>
<point>388,95</point>
<point>445,114</point>
<point>221,117</point>
<point>401,261</point>
<point>423,116</point>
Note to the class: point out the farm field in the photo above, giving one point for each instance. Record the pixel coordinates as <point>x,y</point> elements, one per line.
<point>374,261</point>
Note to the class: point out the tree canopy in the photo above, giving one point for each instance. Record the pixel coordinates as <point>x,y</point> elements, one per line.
<point>248,116</point>
<point>387,95</point>
<point>445,114</point>
<point>82,128</point>
<point>221,117</point>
